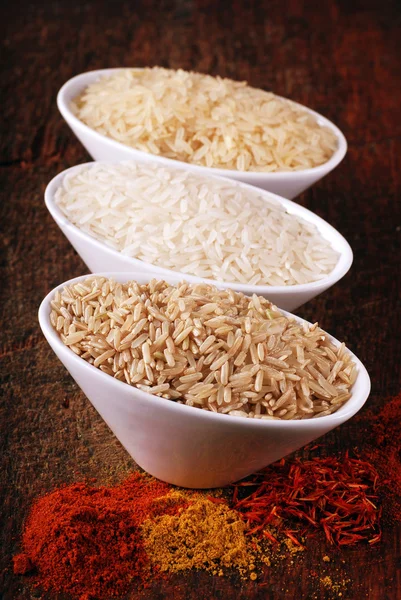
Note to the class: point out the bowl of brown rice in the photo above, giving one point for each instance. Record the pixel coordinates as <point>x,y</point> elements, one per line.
<point>208,124</point>
<point>201,385</point>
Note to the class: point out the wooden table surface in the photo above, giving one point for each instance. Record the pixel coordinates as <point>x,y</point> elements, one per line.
<point>341,58</point>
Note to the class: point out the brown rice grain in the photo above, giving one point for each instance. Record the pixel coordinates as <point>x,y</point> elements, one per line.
<point>279,369</point>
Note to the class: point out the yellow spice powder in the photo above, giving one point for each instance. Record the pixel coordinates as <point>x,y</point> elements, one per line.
<point>205,535</point>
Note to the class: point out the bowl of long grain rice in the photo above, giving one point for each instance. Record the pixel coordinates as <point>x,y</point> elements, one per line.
<point>209,124</point>
<point>202,386</point>
<point>139,216</point>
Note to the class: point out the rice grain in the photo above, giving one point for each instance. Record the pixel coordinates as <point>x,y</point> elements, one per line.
<point>143,353</point>
<point>150,224</point>
<point>204,120</point>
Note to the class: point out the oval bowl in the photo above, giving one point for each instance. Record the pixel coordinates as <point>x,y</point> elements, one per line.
<point>98,256</point>
<point>100,147</point>
<point>184,445</point>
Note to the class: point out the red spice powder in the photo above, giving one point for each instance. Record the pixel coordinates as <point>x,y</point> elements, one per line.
<point>86,541</point>
<point>22,564</point>
<point>383,448</point>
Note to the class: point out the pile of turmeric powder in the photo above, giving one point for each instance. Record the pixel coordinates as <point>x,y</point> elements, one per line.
<point>206,534</point>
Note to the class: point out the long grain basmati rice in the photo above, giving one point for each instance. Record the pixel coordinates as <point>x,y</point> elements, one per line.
<point>212,228</point>
<point>204,120</point>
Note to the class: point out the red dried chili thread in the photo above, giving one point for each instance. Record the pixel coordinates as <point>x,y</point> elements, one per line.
<point>291,536</point>
<point>216,500</point>
<point>337,495</point>
<point>86,541</point>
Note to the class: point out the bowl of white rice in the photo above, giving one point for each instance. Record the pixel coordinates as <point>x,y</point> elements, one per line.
<point>143,216</point>
<point>202,386</point>
<point>208,124</point>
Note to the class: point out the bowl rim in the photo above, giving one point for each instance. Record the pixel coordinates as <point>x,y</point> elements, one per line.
<point>345,412</point>
<point>320,170</point>
<point>339,244</point>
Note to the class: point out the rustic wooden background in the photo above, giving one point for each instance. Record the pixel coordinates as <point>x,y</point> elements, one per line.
<point>341,58</point>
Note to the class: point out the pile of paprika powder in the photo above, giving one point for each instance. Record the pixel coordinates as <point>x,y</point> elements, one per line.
<point>86,541</point>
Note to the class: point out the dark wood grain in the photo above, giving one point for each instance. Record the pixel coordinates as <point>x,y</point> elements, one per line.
<point>341,58</point>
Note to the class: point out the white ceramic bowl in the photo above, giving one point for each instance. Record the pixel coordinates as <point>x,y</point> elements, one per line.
<point>98,256</point>
<point>184,445</point>
<point>100,147</point>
